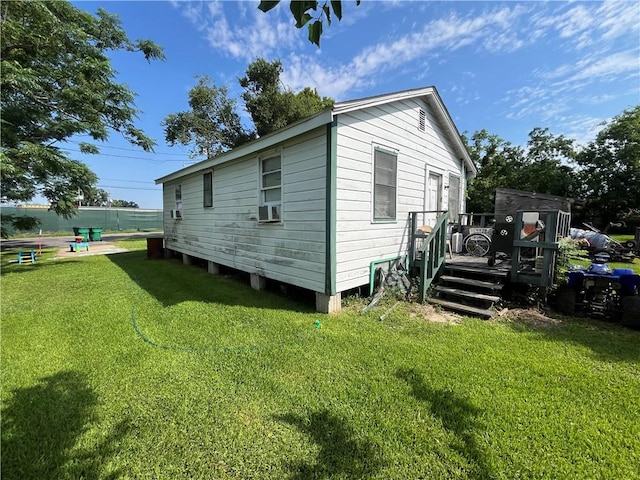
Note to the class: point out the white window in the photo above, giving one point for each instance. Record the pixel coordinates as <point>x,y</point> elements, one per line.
<point>270,189</point>
<point>207,189</point>
<point>384,184</point>
<point>271,180</point>
<point>178,191</point>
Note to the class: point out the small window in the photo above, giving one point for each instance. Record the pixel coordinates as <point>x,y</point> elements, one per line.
<point>178,191</point>
<point>271,180</point>
<point>207,189</point>
<point>422,120</point>
<point>385,181</point>
<point>454,197</point>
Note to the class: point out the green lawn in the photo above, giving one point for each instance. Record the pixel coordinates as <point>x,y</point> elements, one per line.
<point>122,367</point>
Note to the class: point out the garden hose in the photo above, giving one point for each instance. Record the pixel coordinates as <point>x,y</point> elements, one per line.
<point>211,348</point>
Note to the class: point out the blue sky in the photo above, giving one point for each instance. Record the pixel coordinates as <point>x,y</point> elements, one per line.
<point>503,66</point>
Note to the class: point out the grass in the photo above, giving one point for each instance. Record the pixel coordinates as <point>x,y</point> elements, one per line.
<point>122,367</point>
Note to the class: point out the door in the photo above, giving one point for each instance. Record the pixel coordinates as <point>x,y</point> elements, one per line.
<point>434,197</point>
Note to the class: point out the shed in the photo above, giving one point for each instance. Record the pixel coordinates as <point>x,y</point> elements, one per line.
<point>316,203</point>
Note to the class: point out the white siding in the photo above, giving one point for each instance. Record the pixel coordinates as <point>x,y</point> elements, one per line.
<point>392,126</point>
<point>229,234</point>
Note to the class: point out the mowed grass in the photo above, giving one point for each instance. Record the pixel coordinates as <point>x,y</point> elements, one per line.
<point>122,367</point>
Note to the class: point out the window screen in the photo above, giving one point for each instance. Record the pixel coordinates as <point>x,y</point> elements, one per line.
<point>384,191</point>
<point>207,189</point>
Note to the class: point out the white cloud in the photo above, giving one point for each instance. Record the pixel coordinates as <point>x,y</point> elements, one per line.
<point>256,34</point>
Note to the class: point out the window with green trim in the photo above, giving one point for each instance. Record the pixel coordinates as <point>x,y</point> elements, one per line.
<point>385,184</point>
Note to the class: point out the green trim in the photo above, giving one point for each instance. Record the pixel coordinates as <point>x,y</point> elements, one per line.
<point>331,208</point>
<point>372,270</point>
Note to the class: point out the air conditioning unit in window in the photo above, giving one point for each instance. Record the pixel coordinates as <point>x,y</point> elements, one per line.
<point>176,214</point>
<point>269,213</point>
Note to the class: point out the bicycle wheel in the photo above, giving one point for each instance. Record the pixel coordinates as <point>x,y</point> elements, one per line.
<point>477,244</point>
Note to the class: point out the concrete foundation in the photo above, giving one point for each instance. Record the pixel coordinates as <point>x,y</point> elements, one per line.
<point>186,259</point>
<point>328,303</point>
<point>213,268</point>
<point>258,282</point>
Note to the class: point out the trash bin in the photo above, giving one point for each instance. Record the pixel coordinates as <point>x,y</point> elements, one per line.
<point>84,233</point>
<point>155,247</point>
<point>95,234</point>
<point>76,233</point>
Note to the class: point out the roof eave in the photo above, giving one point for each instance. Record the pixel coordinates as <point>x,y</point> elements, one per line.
<point>262,143</point>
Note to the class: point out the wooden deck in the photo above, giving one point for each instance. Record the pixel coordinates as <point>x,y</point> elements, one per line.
<point>478,262</point>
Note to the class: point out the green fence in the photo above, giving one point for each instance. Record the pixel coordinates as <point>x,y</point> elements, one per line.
<point>91,217</point>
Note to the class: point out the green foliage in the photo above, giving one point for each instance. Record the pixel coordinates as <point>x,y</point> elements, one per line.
<point>272,107</point>
<point>124,204</point>
<point>262,393</point>
<point>96,197</point>
<point>568,252</point>
<point>543,167</point>
<point>211,127</point>
<point>305,11</point>
<point>610,169</point>
<point>498,162</point>
<point>57,82</point>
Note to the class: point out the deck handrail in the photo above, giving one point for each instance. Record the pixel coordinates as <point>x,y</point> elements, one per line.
<point>433,253</point>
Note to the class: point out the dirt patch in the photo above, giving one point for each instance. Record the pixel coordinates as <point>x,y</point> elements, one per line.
<point>102,248</point>
<point>531,316</point>
<point>430,313</point>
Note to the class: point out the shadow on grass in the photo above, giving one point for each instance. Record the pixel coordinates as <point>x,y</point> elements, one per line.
<point>341,454</point>
<point>41,425</point>
<point>607,341</point>
<point>457,415</point>
<point>170,282</point>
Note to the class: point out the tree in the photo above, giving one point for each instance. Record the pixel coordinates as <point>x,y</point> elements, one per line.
<point>609,169</point>
<point>211,127</point>
<point>272,106</point>
<point>543,167</point>
<point>305,11</point>
<point>547,164</point>
<point>57,82</point>
<point>498,163</point>
<point>95,197</point>
<point>124,204</point>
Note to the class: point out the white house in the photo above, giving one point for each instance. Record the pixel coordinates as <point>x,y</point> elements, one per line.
<point>315,203</point>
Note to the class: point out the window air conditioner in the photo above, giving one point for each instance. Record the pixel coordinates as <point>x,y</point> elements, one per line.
<point>176,214</point>
<point>269,213</point>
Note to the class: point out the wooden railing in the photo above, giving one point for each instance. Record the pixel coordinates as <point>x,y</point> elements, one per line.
<point>431,254</point>
<point>544,243</point>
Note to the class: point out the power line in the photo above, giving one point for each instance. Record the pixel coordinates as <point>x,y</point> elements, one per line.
<point>120,180</point>
<point>131,149</point>
<point>130,188</point>
<point>126,156</point>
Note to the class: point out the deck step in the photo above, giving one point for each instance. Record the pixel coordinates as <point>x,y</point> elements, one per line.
<point>467,294</point>
<point>494,272</point>
<point>472,282</point>
<point>482,312</point>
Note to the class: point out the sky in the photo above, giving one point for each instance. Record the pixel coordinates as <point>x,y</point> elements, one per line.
<point>506,67</point>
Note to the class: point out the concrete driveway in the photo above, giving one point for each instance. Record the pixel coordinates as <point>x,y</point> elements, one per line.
<point>103,247</point>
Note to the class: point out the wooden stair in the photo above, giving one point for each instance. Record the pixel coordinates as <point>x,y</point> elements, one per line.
<point>469,289</point>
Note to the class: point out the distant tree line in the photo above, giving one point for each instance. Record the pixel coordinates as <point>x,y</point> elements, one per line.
<point>605,173</point>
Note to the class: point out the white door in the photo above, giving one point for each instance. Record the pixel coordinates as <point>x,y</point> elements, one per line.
<point>434,197</point>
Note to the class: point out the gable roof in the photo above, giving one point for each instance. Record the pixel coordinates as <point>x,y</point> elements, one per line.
<point>430,95</point>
